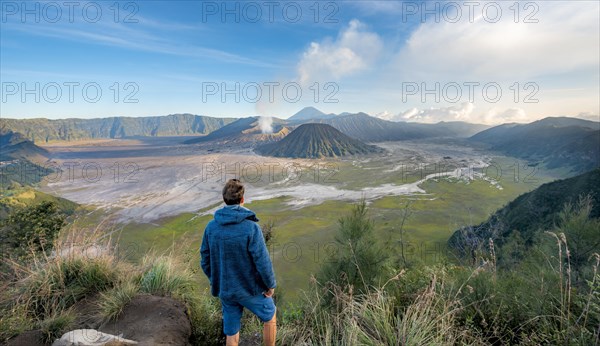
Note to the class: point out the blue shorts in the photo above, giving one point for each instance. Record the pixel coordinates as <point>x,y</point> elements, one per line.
<point>263,307</point>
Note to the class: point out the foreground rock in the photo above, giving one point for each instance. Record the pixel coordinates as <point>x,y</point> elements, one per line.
<point>91,337</point>
<point>152,320</point>
<point>147,320</point>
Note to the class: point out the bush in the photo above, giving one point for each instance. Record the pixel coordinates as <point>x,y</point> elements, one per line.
<point>30,230</point>
<point>374,317</point>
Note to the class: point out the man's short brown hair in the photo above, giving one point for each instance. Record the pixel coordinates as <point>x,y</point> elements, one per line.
<point>233,192</point>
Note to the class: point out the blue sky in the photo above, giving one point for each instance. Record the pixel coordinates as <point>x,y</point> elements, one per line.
<point>165,57</point>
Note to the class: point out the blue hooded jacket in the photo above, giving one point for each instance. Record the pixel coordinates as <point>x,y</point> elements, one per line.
<point>234,255</point>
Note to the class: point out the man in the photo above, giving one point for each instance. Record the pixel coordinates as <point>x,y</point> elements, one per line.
<point>236,261</point>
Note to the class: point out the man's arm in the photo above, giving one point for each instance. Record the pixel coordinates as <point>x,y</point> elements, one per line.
<point>260,255</point>
<point>205,254</point>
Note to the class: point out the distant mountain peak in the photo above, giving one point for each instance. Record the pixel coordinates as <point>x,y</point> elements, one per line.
<point>310,109</point>
<point>308,113</point>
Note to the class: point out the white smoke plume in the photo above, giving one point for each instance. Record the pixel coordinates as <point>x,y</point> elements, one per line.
<point>266,124</point>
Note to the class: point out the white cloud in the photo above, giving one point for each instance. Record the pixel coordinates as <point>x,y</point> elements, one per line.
<point>464,112</point>
<point>386,115</point>
<point>511,115</point>
<point>354,50</point>
<point>589,116</point>
<point>565,39</point>
<point>560,52</point>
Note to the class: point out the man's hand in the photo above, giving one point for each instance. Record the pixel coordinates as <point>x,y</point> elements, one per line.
<point>269,293</point>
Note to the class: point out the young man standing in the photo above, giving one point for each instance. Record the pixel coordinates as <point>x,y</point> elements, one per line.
<point>235,259</point>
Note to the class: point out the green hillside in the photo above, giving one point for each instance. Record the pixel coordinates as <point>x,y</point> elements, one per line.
<point>531,213</point>
<point>21,161</point>
<point>557,142</point>
<point>13,145</point>
<point>581,154</point>
<point>23,197</point>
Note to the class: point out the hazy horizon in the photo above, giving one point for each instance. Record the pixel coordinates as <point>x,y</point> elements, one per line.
<point>589,117</point>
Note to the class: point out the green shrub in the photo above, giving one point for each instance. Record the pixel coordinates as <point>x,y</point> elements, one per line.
<point>30,230</point>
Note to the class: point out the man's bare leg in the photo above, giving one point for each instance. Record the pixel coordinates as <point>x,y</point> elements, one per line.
<point>233,340</point>
<point>270,331</point>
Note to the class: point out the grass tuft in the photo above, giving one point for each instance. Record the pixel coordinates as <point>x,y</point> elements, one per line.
<point>164,276</point>
<point>112,302</point>
<point>53,327</point>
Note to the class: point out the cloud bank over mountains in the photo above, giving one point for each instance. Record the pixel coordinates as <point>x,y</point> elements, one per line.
<point>463,112</point>
<point>552,45</point>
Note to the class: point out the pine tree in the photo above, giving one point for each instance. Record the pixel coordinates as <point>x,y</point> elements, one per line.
<point>359,260</point>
